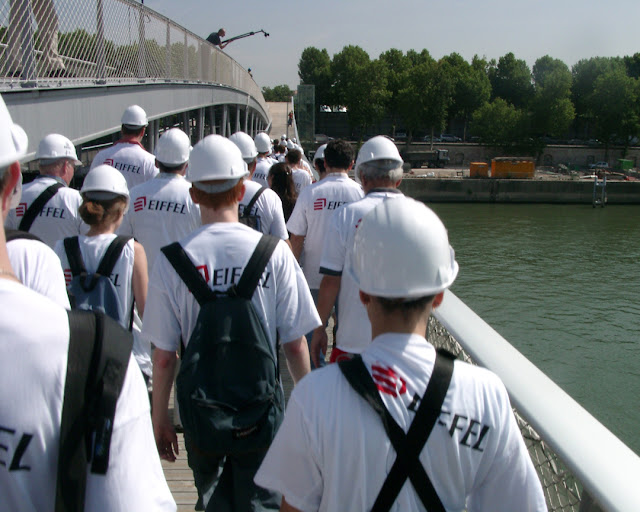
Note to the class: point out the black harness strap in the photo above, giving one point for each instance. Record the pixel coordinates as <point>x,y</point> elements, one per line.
<point>255,267</point>
<point>188,272</point>
<point>247,209</point>
<point>407,446</point>
<point>16,234</point>
<point>36,207</point>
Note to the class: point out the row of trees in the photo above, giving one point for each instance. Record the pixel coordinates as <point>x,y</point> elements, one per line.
<point>503,102</point>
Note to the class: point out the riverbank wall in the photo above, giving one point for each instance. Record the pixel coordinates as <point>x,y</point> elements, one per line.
<point>467,190</point>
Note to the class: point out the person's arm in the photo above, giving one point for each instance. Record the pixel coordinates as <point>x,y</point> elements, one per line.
<point>140,278</point>
<point>164,364</point>
<point>297,243</point>
<point>285,507</point>
<point>297,354</point>
<point>329,289</point>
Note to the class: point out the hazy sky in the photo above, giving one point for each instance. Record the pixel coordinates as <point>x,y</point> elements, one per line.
<point>568,30</point>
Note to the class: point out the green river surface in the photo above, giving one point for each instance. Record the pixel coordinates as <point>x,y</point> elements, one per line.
<point>562,284</point>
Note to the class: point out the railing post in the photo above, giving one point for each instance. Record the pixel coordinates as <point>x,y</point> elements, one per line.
<point>225,117</point>
<point>100,54</point>
<point>141,43</point>
<point>238,126</point>
<point>186,124</point>
<point>200,124</point>
<point>168,52</point>
<point>212,119</point>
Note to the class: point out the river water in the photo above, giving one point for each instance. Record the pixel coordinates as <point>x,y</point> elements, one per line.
<point>562,284</point>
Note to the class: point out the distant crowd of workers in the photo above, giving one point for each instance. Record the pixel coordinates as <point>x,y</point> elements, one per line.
<point>393,424</point>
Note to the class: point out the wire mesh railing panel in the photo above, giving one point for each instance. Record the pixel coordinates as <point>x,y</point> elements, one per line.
<point>99,41</point>
<point>562,491</point>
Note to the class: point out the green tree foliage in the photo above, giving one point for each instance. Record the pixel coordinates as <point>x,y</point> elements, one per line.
<point>471,87</point>
<point>511,80</point>
<point>314,68</point>
<point>497,123</point>
<point>585,73</point>
<point>614,104</point>
<point>397,65</point>
<point>551,108</point>
<point>426,97</point>
<point>359,84</point>
<point>277,93</point>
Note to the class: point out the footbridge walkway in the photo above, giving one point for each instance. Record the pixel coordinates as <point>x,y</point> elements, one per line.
<point>72,67</point>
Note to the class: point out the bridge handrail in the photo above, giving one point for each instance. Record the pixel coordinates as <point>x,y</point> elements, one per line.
<point>607,469</point>
<point>108,42</point>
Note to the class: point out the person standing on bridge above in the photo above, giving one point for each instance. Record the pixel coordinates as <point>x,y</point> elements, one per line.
<point>316,204</point>
<point>49,208</point>
<point>379,170</point>
<point>221,249</point>
<point>266,206</point>
<point>265,161</point>
<point>162,209</point>
<point>215,38</point>
<point>333,451</point>
<point>33,366</point>
<point>128,155</point>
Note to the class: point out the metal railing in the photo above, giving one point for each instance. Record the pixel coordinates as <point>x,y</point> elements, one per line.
<point>582,465</point>
<point>98,42</point>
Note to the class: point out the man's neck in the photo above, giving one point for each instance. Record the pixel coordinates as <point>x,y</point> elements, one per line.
<point>226,214</point>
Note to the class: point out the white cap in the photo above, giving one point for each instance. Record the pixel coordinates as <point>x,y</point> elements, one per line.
<point>104,182</point>
<point>54,147</point>
<point>263,143</point>
<point>401,250</point>
<point>378,148</point>
<point>134,116</point>
<point>173,147</point>
<point>246,145</point>
<point>216,158</point>
<point>320,153</point>
<point>13,139</point>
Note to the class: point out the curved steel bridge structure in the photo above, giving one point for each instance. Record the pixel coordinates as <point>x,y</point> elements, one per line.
<point>73,66</point>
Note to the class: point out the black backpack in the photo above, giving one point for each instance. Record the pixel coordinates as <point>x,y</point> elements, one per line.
<point>98,358</point>
<point>253,221</point>
<point>228,387</point>
<point>95,292</point>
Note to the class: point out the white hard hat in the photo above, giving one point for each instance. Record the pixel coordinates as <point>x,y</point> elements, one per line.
<point>401,250</point>
<point>283,137</point>
<point>216,158</point>
<point>173,147</point>
<point>294,140</point>
<point>55,146</point>
<point>378,148</point>
<point>104,182</point>
<point>134,116</point>
<point>246,145</point>
<point>290,145</point>
<point>13,139</point>
<point>263,143</point>
<point>320,153</point>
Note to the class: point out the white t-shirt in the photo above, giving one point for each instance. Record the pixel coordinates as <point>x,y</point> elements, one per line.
<point>268,209</point>
<point>161,212</point>
<point>354,328</point>
<point>332,452</point>
<point>312,213</point>
<point>220,251</point>
<point>58,219</point>
<point>38,267</point>
<point>261,173</point>
<point>135,163</point>
<point>32,373</point>
<point>301,179</point>
<point>93,249</point>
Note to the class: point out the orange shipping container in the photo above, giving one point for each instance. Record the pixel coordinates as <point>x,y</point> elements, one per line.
<point>512,168</point>
<point>479,170</point>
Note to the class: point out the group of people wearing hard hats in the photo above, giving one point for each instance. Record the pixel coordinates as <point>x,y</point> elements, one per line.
<point>393,424</point>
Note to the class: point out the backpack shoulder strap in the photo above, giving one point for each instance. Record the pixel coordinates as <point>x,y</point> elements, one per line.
<point>111,255</point>
<point>250,205</point>
<point>188,272</point>
<point>16,234</point>
<point>255,267</point>
<point>72,249</point>
<point>411,444</point>
<point>98,357</point>
<point>36,207</point>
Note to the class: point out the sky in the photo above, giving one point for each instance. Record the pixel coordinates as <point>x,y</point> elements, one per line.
<point>568,30</point>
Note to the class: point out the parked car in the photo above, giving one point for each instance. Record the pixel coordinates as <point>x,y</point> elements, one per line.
<point>599,165</point>
<point>427,138</point>
<point>325,108</point>
<point>447,137</point>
